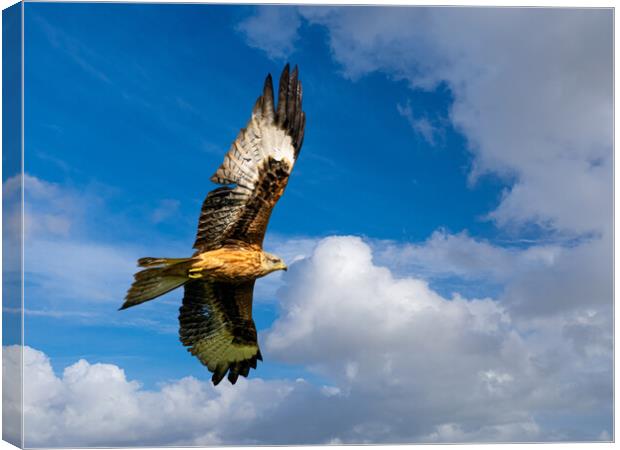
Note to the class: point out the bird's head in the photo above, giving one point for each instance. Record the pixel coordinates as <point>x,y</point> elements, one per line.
<point>273,263</point>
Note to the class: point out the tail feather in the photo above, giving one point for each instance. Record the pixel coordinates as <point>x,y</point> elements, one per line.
<point>158,279</point>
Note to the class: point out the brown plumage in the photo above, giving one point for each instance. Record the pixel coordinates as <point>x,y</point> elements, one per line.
<point>216,316</point>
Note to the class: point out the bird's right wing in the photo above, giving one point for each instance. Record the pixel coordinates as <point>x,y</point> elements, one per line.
<point>216,324</point>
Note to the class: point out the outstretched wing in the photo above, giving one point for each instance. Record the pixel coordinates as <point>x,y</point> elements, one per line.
<point>216,324</point>
<point>255,170</point>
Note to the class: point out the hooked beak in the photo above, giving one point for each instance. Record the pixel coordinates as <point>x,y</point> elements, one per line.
<point>282,266</point>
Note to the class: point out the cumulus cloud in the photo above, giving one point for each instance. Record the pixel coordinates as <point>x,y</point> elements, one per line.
<point>96,405</point>
<point>289,248</point>
<point>461,368</point>
<point>464,256</point>
<point>12,411</point>
<point>581,278</point>
<point>537,280</point>
<point>399,363</point>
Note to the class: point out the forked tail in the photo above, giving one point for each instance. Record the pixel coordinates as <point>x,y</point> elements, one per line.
<point>161,276</point>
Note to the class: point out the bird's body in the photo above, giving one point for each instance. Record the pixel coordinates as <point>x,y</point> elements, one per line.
<point>231,264</point>
<point>216,316</point>
<point>234,264</point>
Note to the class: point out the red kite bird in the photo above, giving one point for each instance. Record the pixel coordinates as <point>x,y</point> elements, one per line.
<point>216,316</point>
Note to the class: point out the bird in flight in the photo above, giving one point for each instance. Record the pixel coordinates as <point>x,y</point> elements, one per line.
<point>216,315</point>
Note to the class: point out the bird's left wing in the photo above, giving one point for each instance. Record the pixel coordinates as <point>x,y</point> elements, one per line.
<point>216,324</point>
<point>255,170</point>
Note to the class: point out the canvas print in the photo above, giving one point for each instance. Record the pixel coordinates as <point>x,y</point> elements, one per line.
<point>297,224</point>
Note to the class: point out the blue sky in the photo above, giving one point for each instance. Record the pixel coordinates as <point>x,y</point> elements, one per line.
<point>149,128</point>
<point>441,165</point>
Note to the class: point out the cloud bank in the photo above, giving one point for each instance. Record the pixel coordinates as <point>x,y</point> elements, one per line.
<point>400,363</point>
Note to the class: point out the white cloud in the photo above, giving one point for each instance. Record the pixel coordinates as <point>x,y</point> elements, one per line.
<point>291,249</point>
<point>401,364</point>
<point>469,258</point>
<point>11,395</point>
<point>534,281</point>
<point>383,338</point>
<point>50,209</point>
<point>95,404</point>
<point>341,301</point>
<point>514,432</point>
<point>580,278</point>
<point>532,93</point>
<point>273,29</point>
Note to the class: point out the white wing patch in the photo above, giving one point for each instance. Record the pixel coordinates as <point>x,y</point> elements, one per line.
<point>279,145</point>
<point>255,144</point>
